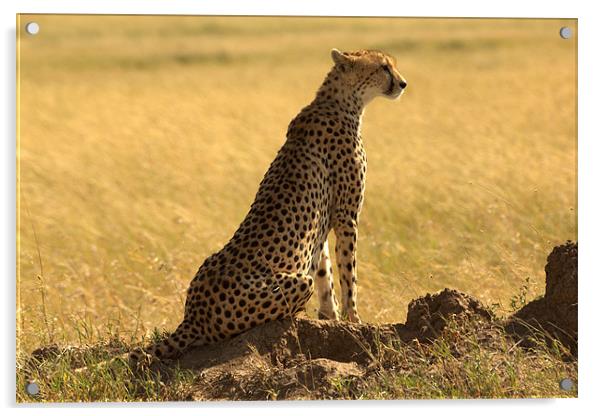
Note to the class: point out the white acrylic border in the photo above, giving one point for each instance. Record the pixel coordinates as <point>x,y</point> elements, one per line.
<point>589,172</point>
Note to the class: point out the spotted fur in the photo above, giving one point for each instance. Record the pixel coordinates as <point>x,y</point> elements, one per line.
<point>269,269</point>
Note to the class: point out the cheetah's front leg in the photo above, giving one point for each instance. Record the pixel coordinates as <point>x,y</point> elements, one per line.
<point>346,235</point>
<point>325,286</point>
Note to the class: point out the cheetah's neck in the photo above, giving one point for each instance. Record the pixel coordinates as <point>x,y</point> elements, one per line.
<point>345,98</point>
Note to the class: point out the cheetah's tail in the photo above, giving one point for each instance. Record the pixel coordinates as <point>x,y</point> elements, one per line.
<point>171,347</point>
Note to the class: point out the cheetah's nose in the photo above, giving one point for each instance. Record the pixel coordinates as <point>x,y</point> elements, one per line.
<point>403,84</point>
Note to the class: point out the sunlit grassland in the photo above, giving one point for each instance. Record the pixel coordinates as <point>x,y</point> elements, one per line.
<point>143,140</point>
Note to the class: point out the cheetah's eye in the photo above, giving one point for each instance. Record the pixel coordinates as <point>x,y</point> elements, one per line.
<point>387,69</point>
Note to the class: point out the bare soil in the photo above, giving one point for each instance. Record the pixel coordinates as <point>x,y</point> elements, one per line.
<point>299,358</point>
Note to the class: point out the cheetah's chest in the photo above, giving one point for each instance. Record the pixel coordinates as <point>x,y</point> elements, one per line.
<point>349,172</point>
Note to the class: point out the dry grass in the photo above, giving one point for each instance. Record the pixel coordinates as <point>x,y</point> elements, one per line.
<point>60,375</point>
<point>468,361</point>
<point>143,140</point>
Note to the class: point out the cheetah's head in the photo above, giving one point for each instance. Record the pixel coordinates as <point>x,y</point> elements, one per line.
<point>370,73</point>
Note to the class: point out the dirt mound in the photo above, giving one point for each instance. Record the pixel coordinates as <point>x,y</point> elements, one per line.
<point>300,358</point>
<point>293,357</point>
<point>556,311</point>
<point>428,315</point>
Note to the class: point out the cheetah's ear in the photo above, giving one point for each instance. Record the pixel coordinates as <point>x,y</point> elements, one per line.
<point>339,58</point>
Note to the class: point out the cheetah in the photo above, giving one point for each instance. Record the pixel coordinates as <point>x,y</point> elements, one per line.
<point>269,268</point>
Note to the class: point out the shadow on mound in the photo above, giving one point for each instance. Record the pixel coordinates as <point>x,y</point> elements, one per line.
<point>556,312</point>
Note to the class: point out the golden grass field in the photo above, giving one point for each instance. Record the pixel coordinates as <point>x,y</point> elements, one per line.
<point>142,141</point>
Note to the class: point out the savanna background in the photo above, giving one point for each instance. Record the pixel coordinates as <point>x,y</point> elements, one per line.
<point>142,141</point>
